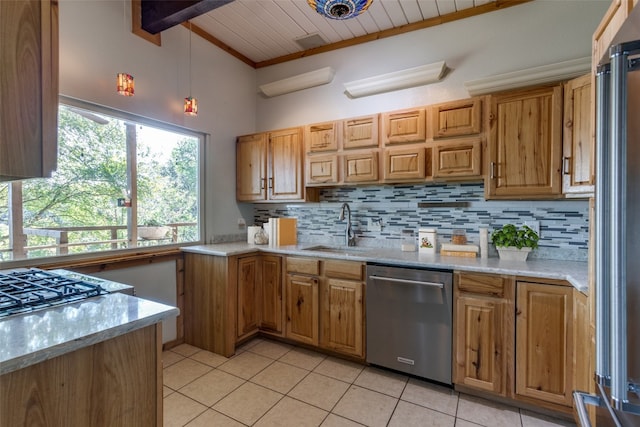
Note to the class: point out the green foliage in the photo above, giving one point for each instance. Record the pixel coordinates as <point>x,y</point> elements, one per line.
<point>510,235</point>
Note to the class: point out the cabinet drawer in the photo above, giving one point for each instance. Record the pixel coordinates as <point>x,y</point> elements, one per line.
<point>322,136</point>
<point>303,265</point>
<point>482,284</point>
<point>361,167</point>
<point>361,132</point>
<point>404,164</point>
<point>402,127</point>
<point>343,269</point>
<point>456,118</point>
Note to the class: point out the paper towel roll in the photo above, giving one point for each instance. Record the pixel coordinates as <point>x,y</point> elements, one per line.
<point>251,232</point>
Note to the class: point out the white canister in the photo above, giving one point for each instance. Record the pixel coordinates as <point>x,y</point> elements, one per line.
<point>251,233</point>
<point>427,240</point>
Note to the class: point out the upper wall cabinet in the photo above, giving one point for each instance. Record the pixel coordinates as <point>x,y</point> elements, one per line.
<point>28,89</point>
<point>457,118</point>
<point>269,166</point>
<point>609,26</point>
<point>322,136</point>
<point>400,127</point>
<point>361,132</point>
<point>525,144</point>
<point>577,158</point>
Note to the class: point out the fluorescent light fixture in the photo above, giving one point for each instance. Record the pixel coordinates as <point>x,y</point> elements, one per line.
<point>299,82</point>
<point>411,77</point>
<point>529,77</point>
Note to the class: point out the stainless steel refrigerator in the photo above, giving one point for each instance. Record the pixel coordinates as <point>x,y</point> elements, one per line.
<point>617,233</point>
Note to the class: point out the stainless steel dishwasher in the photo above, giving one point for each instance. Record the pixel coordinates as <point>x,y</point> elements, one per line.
<point>409,320</point>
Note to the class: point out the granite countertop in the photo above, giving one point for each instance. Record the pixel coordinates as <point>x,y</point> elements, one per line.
<point>574,272</point>
<point>30,338</point>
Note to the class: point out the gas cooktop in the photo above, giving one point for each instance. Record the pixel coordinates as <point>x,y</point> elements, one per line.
<point>23,291</point>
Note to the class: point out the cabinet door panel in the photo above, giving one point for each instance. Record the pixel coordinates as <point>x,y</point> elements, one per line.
<point>322,169</point>
<point>251,167</point>
<point>404,164</point>
<point>285,161</point>
<point>342,316</point>
<point>543,342</point>
<point>479,347</point>
<point>457,118</point>
<point>404,126</point>
<point>322,137</point>
<point>271,280</point>
<point>361,167</point>
<point>361,132</point>
<point>525,144</point>
<point>248,318</point>
<point>457,159</point>
<point>302,309</point>
<point>577,165</point>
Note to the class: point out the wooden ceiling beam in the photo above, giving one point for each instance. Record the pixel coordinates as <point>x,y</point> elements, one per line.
<point>158,15</point>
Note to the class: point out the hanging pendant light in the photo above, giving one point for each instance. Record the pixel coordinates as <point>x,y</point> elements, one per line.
<point>340,9</point>
<point>190,103</point>
<point>124,84</point>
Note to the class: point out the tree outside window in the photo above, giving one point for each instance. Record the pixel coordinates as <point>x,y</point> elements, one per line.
<point>113,176</point>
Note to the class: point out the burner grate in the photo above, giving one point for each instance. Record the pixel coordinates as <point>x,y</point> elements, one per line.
<point>34,289</point>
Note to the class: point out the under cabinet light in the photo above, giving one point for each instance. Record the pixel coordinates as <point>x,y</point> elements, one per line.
<point>529,77</point>
<point>403,79</point>
<point>299,82</point>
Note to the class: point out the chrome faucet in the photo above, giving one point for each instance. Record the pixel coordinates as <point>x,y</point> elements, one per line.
<point>349,235</point>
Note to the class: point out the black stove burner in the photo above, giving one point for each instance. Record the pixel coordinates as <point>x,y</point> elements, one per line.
<point>29,290</point>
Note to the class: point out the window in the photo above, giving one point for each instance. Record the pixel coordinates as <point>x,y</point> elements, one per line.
<point>121,182</point>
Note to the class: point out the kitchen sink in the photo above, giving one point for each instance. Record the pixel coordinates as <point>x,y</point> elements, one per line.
<point>335,249</point>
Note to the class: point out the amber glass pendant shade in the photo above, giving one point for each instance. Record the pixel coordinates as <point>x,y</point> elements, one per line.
<point>191,106</point>
<point>124,84</point>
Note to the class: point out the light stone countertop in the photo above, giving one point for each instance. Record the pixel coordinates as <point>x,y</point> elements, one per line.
<point>30,338</point>
<point>574,272</point>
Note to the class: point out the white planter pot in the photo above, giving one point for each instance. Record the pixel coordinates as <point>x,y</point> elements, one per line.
<point>153,233</point>
<point>511,253</point>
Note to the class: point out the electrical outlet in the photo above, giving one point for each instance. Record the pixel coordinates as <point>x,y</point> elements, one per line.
<point>375,225</point>
<point>241,223</point>
<point>534,225</point>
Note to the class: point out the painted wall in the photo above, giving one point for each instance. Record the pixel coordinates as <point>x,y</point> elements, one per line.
<point>96,43</point>
<point>536,33</point>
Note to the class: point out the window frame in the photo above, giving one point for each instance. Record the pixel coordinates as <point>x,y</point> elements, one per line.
<point>138,250</point>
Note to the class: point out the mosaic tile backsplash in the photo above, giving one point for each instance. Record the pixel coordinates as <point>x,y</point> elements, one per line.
<point>564,226</point>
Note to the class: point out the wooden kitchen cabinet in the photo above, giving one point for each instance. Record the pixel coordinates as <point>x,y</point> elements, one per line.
<point>457,118</point>
<point>525,144</point>
<point>269,166</point>
<point>609,25</point>
<point>401,127</point>
<point>302,308</point>
<point>321,170</point>
<point>29,90</point>
<point>361,132</point>
<point>459,158</point>
<point>483,332</point>
<point>271,290</point>
<point>321,137</point>
<point>249,298</point>
<point>544,342</point>
<point>360,167</point>
<point>342,307</point>
<point>404,164</point>
<point>577,158</point>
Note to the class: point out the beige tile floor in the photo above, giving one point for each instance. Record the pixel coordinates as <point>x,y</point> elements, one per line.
<point>267,383</point>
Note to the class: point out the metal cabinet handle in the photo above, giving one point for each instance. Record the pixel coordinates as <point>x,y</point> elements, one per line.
<point>492,170</point>
<point>271,182</point>
<point>263,183</point>
<point>407,281</point>
<point>566,165</point>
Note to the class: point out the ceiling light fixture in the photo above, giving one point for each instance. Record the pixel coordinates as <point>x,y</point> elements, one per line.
<point>124,84</point>
<point>308,80</point>
<point>403,79</point>
<point>190,103</point>
<point>339,9</point>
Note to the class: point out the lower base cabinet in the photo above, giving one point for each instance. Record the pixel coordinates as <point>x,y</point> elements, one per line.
<point>302,309</point>
<point>518,339</point>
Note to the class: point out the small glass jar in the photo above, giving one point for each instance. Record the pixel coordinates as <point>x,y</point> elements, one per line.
<point>459,237</point>
<point>408,241</point>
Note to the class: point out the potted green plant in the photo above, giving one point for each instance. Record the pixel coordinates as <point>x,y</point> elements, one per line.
<point>515,243</point>
<point>152,230</point>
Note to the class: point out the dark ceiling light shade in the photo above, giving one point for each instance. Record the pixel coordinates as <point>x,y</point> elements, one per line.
<point>340,9</point>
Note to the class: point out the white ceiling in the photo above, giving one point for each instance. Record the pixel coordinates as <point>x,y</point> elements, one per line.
<point>262,32</point>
